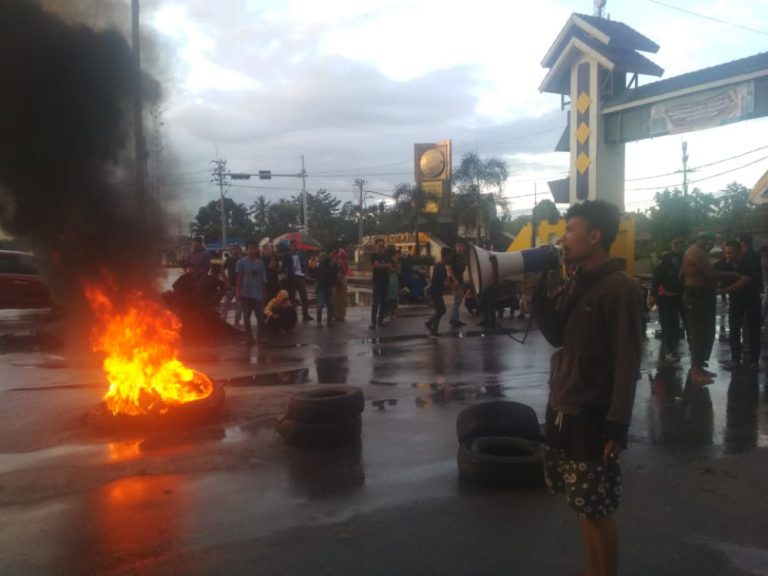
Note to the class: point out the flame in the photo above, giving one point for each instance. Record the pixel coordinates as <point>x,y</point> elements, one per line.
<point>140,339</point>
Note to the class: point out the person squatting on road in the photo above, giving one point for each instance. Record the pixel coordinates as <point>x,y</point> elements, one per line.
<point>596,323</point>
<point>280,314</point>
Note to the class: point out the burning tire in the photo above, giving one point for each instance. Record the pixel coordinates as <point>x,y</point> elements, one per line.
<point>189,414</point>
<point>502,462</point>
<point>326,403</point>
<point>500,418</point>
<point>319,433</point>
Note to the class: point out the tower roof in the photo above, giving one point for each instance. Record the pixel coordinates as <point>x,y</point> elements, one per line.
<point>614,45</point>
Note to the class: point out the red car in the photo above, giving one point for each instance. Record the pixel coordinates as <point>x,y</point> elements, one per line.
<point>21,285</point>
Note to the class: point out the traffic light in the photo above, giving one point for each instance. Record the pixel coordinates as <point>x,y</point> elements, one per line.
<point>236,176</point>
<point>265,174</point>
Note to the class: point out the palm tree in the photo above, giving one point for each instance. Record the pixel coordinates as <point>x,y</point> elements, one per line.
<point>472,178</point>
<point>260,213</point>
<point>411,201</point>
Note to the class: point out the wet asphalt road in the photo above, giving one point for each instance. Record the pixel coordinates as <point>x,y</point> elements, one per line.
<point>230,497</point>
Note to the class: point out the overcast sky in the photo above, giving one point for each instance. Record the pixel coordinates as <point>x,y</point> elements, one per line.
<point>353,85</point>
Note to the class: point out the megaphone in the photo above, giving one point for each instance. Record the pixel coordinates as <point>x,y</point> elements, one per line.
<point>486,268</point>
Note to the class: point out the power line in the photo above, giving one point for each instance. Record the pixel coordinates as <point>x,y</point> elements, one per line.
<point>729,171</point>
<point>357,173</point>
<point>276,188</point>
<point>702,179</point>
<point>732,157</point>
<point>698,167</point>
<point>521,137</point>
<point>712,18</point>
<point>180,183</point>
<point>360,171</point>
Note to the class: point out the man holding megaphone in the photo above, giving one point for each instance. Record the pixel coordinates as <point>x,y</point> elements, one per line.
<point>595,321</point>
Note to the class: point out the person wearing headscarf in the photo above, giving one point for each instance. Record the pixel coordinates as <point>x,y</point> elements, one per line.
<point>280,314</point>
<point>339,257</point>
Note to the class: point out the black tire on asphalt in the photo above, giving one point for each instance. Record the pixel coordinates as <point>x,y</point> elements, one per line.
<point>502,462</point>
<point>326,403</point>
<point>319,433</point>
<point>498,418</point>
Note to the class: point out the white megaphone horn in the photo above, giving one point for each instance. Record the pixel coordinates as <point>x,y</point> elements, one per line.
<point>486,268</point>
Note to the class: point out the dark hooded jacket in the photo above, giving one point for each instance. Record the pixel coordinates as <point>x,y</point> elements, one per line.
<point>596,321</point>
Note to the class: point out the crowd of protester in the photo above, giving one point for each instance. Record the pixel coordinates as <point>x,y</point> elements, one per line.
<point>269,282</point>
<point>685,288</point>
<point>266,281</point>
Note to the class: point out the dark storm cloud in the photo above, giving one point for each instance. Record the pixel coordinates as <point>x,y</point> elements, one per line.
<point>65,174</point>
<point>330,96</point>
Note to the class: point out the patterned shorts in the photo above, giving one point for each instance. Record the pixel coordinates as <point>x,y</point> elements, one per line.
<point>592,489</point>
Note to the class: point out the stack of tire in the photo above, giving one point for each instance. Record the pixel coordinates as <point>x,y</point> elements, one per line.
<point>321,417</point>
<point>500,445</point>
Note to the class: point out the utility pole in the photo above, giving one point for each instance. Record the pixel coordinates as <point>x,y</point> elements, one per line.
<point>304,197</point>
<point>219,174</point>
<point>268,175</point>
<point>685,169</point>
<point>138,118</point>
<point>533,218</point>
<point>360,183</point>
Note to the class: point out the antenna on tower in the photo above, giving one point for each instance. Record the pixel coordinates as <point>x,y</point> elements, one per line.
<point>599,7</point>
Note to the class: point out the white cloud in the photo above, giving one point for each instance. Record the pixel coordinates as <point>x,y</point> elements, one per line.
<point>354,85</point>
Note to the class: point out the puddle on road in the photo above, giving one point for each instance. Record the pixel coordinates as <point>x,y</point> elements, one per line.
<point>22,460</point>
<point>12,343</point>
<point>298,376</point>
<point>261,360</point>
<point>444,392</point>
<point>327,473</point>
<point>278,346</point>
<point>332,369</point>
<point>382,383</point>
<point>178,439</point>
<point>443,335</point>
<point>382,404</point>
<point>683,418</point>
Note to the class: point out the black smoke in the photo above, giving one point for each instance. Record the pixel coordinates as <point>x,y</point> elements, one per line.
<point>67,172</point>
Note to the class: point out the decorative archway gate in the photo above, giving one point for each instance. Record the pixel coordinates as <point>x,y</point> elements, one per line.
<point>594,64</point>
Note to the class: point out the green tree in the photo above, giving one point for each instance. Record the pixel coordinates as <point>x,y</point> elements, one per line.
<point>676,214</point>
<point>260,211</point>
<point>325,222</point>
<point>410,203</point>
<point>546,210</point>
<point>284,216</point>
<point>473,179</point>
<point>207,222</point>
<point>734,212</point>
